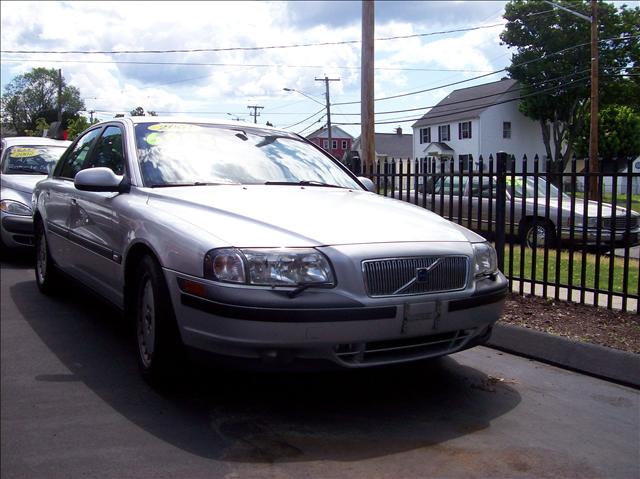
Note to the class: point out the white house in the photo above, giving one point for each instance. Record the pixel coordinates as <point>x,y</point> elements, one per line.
<point>479,120</point>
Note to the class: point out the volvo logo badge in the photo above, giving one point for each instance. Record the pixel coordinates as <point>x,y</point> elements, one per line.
<point>422,274</point>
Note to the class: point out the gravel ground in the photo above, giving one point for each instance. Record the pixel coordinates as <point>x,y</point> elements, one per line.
<point>578,322</point>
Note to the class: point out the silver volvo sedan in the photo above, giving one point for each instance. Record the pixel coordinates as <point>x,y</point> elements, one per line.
<point>250,242</point>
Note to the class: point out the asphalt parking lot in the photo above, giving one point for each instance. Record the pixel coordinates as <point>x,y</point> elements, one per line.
<point>74,405</point>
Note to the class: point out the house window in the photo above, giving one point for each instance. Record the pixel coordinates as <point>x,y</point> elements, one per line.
<point>506,129</point>
<point>334,144</point>
<point>444,133</point>
<point>425,135</point>
<point>464,130</point>
<point>344,144</point>
<point>325,144</point>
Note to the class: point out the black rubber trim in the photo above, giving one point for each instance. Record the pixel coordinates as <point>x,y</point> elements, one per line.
<point>59,230</point>
<point>475,301</point>
<point>273,315</point>
<point>90,245</point>
<point>85,243</point>
<point>22,225</point>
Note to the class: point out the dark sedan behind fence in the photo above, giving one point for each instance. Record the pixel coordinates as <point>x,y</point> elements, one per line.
<point>552,235</point>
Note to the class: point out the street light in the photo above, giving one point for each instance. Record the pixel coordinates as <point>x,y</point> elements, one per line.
<point>304,94</point>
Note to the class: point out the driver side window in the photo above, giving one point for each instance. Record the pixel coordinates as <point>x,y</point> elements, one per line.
<point>76,160</point>
<point>108,151</point>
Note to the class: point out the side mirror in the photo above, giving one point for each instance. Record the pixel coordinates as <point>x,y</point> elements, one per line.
<point>97,179</point>
<point>367,183</point>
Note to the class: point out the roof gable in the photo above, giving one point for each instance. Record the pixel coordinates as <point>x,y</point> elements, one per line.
<point>336,133</point>
<point>469,102</point>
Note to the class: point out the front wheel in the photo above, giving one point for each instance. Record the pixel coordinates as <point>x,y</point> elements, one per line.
<point>538,234</point>
<point>47,276</point>
<point>160,351</point>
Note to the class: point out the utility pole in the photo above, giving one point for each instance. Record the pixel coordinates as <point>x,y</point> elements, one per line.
<point>60,96</point>
<point>255,113</point>
<point>326,81</point>
<point>91,112</point>
<point>367,131</point>
<point>593,127</point>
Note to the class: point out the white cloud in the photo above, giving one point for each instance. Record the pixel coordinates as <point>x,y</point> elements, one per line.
<point>194,25</point>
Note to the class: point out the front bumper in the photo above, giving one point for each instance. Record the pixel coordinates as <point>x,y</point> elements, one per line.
<point>16,231</point>
<point>603,237</point>
<point>325,325</point>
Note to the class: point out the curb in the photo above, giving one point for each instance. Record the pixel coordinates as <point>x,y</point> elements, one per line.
<point>600,361</point>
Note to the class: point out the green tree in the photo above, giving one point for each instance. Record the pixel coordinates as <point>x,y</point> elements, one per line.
<point>78,125</point>
<point>618,133</point>
<point>553,57</point>
<point>139,111</point>
<point>34,95</point>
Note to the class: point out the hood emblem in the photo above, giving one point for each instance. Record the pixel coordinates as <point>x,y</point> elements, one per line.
<point>421,277</point>
<point>422,274</point>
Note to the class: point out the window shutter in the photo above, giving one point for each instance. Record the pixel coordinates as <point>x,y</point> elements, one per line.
<point>459,131</point>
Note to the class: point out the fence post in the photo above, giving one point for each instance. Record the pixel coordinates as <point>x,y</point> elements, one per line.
<point>501,204</point>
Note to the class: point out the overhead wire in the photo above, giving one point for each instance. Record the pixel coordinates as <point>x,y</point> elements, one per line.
<point>564,50</point>
<point>271,47</point>
<point>443,113</point>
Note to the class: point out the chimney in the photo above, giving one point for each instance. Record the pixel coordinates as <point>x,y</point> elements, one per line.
<point>399,131</point>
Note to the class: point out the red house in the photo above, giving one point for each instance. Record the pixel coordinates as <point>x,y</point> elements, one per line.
<point>340,139</point>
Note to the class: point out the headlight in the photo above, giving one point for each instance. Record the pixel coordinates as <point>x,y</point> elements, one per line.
<point>485,260</point>
<point>269,267</point>
<point>15,208</point>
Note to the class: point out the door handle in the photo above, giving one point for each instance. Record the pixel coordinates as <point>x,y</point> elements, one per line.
<point>74,201</point>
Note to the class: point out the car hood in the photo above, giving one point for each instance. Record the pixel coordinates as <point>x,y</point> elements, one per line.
<point>23,183</point>
<point>274,216</point>
<point>606,209</point>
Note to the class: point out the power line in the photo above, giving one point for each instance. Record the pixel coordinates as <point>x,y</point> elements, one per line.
<point>564,50</point>
<point>302,121</point>
<point>310,125</point>
<point>235,65</point>
<point>272,47</point>
<point>563,77</point>
<point>441,114</point>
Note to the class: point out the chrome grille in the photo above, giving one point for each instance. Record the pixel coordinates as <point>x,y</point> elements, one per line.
<point>398,276</point>
<point>620,222</point>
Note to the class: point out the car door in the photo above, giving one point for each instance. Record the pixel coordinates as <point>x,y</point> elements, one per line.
<point>93,220</point>
<point>449,192</point>
<point>58,193</point>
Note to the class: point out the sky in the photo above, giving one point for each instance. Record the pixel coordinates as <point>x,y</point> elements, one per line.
<point>223,83</point>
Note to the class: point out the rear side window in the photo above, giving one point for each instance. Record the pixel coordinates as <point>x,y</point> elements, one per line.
<point>76,160</point>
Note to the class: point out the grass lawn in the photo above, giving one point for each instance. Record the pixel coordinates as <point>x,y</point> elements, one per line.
<point>590,269</point>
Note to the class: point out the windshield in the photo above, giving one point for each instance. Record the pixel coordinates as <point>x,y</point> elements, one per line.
<point>187,154</point>
<point>519,188</point>
<point>31,160</point>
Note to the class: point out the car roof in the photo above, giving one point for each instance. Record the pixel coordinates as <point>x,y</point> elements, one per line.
<point>190,119</point>
<point>33,141</point>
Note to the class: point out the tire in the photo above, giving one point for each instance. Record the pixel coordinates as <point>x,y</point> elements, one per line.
<point>47,274</point>
<point>545,237</point>
<point>160,351</point>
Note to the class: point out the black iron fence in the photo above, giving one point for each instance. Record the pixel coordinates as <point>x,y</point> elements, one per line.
<point>555,236</point>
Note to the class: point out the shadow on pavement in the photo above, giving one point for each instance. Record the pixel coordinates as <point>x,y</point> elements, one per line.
<point>16,258</point>
<point>265,417</point>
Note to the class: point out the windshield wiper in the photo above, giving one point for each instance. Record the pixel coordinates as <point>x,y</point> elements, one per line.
<point>195,183</point>
<point>27,170</point>
<point>302,183</point>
